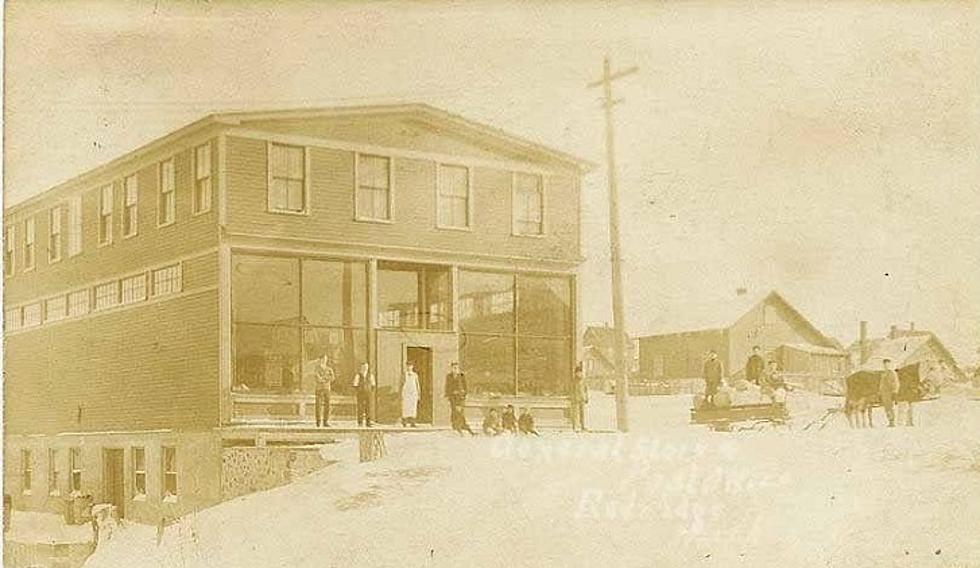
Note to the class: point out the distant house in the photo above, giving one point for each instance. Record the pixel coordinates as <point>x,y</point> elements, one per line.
<point>682,338</point>
<point>599,355</point>
<point>906,347</point>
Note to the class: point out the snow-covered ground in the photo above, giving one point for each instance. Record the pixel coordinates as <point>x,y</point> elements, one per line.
<point>667,494</point>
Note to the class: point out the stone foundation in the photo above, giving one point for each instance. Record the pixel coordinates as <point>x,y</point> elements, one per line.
<point>246,470</point>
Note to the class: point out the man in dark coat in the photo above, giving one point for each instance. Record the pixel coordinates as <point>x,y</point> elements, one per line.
<point>456,394</point>
<point>887,390</point>
<point>364,384</point>
<point>754,366</point>
<point>712,373</point>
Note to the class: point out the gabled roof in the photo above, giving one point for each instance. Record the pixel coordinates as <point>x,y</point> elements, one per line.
<point>722,314</point>
<point>420,111</point>
<point>901,349</point>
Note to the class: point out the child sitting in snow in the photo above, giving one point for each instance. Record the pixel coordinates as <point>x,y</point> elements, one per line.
<point>509,420</point>
<point>492,424</point>
<point>526,423</point>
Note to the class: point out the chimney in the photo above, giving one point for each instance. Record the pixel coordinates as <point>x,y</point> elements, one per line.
<point>741,291</point>
<point>912,326</point>
<point>893,333</point>
<point>863,342</point>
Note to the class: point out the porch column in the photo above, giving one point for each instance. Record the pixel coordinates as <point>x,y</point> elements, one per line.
<point>372,323</point>
<point>225,404</point>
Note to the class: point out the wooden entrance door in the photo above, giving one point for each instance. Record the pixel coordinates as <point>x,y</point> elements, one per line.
<point>421,357</point>
<point>114,479</point>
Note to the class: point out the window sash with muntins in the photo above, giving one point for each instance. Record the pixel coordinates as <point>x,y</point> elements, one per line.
<point>528,204</point>
<point>167,207</point>
<point>9,246</point>
<point>202,178</point>
<point>105,214</point>
<point>75,467</point>
<point>29,236</point>
<point>373,185</point>
<point>74,226</point>
<point>130,205</point>
<point>169,471</point>
<point>54,234</point>
<point>454,196</point>
<point>139,472</point>
<point>287,178</point>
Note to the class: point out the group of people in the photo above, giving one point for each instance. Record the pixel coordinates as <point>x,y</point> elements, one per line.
<point>767,376</point>
<point>496,421</point>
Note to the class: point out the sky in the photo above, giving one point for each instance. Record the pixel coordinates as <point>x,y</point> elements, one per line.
<point>826,151</point>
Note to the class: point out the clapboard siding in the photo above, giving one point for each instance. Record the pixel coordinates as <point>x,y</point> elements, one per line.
<point>144,367</point>
<point>331,214</point>
<point>150,246</point>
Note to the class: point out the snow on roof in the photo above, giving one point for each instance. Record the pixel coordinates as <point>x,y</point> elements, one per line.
<point>701,315</point>
<point>898,350</point>
<point>815,349</point>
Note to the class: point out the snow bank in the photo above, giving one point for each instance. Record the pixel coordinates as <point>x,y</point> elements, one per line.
<point>667,494</point>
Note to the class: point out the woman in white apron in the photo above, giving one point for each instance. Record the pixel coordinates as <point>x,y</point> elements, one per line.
<point>410,395</point>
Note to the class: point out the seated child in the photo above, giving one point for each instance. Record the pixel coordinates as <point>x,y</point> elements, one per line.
<point>492,424</point>
<point>526,422</point>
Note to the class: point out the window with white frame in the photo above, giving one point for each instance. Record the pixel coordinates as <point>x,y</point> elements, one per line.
<point>169,472</point>
<point>29,248</point>
<point>130,205</point>
<point>55,308</point>
<point>166,280</point>
<point>107,295</point>
<point>75,226</point>
<point>13,319</point>
<point>287,178</point>
<point>373,187</point>
<point>78,303</point>
<point>528,204</point>
<point>202,178</point>
<point>9,244</point>
<point>105,214</point>
<point>54,472</point>
<point>27,469</point>
<point>75,469</point>
<point>134,289</point>
<point>54,234</point>
<point>454,196</point>
<point>32,315</point>
<point>167,206</point>
<point>139,472</point>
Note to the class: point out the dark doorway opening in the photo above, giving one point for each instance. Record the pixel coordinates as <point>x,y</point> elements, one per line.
<point>114,479</point>
<point>421,357</point>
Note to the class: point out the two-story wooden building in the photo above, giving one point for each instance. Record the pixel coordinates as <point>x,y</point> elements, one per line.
<point>186,289</point>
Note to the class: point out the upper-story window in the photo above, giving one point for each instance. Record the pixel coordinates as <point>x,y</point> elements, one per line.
<point>130,206</point>
<point>54,234</point>
<point>202,178</point>
<point>105,214</point>
<point>9,244</point>
<point>287,178</point>
<point>29,235</point>
<point>75,226</point>
<point>167,206</point>
<point>454,196</point>
<point>528,204</point>
<point>373,187</point>
<point>32,315</point>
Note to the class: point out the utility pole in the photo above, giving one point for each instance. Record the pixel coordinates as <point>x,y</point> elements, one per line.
<point>619,323</point>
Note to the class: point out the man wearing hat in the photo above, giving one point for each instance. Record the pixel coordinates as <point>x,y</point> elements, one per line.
<point>887,390</point>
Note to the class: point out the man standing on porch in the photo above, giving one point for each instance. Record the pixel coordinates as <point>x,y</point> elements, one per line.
<point>456,393</point>
<point>325,377</point>
<point>363,391</point>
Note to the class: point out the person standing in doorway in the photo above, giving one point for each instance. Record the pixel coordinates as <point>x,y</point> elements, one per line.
<point>456,394</point>
<point>579,398</point>
<point>364,384</point>
<point>712,373</point>
<point>410,395</point>
<point>887,390</point>
<point>325,377</point>
<point>754,366</point>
